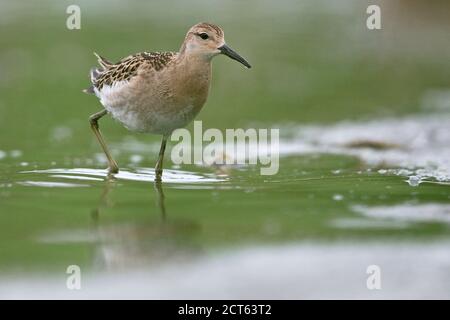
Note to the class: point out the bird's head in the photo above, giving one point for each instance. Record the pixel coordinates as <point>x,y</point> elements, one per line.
<point>207,40</point>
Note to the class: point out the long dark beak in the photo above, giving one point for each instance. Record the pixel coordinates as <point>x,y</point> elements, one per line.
<point>226,50</point>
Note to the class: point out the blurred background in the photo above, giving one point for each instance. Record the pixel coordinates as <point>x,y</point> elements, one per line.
<point>364,169</point>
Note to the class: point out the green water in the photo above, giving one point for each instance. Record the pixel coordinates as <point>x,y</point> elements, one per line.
<point>312,65</point>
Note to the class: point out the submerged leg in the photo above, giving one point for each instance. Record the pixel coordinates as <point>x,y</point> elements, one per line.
<point>160,199</point>
<point>113,168</point>
<point>159,163</point>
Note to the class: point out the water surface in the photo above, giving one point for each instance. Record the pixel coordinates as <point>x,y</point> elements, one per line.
<point>364,157</point>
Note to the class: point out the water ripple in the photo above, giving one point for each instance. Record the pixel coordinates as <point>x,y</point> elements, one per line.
<point>139,174</point>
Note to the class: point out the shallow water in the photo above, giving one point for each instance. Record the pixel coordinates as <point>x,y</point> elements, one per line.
<point>286,272</point>
<point>174,240</point>
<point>364,158</point>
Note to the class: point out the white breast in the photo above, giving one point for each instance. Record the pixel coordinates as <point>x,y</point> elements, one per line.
<point>142,112</point>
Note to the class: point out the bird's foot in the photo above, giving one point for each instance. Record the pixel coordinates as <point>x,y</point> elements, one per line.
<point>113,168</point>
<point>158,175</point>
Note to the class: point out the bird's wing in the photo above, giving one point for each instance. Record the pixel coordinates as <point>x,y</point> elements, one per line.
<point>127,68</point>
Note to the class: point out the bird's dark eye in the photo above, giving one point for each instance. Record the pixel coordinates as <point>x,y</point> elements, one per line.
<point>203,35</point>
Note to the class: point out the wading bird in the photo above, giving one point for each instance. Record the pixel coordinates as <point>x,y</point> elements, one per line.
<point>158,92</point>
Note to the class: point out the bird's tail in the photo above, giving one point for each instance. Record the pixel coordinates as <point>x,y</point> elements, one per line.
<point>95,72</point>
<point>103,62</point>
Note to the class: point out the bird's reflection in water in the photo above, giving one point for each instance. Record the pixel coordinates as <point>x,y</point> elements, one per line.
<point>128,244</point>
<point>161,200</point>
<point>104,200</point>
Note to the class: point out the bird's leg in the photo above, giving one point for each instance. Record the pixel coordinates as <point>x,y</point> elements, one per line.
<point>113,168</point>
<point>159,163</point>
<point>161,199</point>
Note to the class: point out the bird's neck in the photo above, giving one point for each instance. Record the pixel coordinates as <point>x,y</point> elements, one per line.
<point>193,66</point>
<point>194,60</point>
<point>193,76</point>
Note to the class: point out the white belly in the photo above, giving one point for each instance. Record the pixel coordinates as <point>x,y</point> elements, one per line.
<point>144,114</point>
<point>152,122</point>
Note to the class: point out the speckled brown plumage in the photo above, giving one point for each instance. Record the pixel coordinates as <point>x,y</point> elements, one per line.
<point>158,92</point>
<point>128,67</point>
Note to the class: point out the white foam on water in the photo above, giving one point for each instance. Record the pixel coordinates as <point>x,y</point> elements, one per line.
<point>420,145</point>
<point>416,146</point>
<point>361,223</point>
<point>407,212</point>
